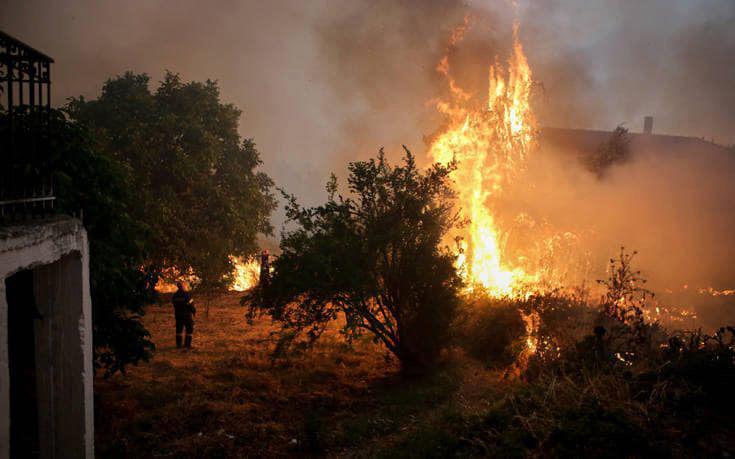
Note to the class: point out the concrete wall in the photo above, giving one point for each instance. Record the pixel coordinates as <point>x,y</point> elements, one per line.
<point>57,252</point>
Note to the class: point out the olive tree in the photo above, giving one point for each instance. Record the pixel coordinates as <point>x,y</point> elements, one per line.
<point>373,259</point>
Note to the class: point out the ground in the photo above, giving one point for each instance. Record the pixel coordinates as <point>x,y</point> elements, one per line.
<point>227,398</point>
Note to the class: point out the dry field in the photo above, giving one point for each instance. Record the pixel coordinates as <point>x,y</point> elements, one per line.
<point>227,398</point>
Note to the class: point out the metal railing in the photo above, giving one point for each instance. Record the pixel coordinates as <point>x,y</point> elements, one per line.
<point>25,96</point>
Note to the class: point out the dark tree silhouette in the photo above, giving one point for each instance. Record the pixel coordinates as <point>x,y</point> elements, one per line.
<point>194,176</point>
<point>373,258</point>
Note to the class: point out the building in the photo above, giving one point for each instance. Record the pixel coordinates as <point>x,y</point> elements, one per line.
<point>46,366</point>
<point>584,142</point>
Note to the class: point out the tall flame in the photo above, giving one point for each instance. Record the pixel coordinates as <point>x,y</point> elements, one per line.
<point>490,146</point>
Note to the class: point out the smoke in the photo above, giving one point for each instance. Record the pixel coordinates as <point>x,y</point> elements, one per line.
<point>326,81</point>
<point>674,206</point>
<point>609,62</point>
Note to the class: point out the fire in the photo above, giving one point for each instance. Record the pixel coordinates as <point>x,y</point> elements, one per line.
<point>713,292</point>
<point>245,274</point>
<point>490,146</point>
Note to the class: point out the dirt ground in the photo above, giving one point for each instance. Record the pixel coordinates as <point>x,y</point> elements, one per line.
<point>227,398</point>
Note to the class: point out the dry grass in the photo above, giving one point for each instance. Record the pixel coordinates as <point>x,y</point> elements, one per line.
<point>226,398</point>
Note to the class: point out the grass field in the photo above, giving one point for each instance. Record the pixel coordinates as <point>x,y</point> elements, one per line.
<point>227,398</point>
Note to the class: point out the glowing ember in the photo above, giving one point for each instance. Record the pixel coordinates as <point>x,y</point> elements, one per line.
<point>490,146</point>
<point>532,322</point>
<point>711,291</point>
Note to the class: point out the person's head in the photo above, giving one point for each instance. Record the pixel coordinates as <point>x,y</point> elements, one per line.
<point>179,285</point>
<point>265,251</point>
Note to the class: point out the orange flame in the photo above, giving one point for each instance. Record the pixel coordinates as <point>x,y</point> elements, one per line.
<point>490,146</point>
<point>245,274</point>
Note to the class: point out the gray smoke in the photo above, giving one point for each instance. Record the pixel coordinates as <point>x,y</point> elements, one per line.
<point>327,81</point>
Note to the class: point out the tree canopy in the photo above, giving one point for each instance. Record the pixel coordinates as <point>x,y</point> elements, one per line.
<point>48,145</point>
<point>193,175</point>
<point>374,258</point>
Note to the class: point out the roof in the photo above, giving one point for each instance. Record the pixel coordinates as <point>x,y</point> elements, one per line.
<point>29,51</point>
<point>585,141</point>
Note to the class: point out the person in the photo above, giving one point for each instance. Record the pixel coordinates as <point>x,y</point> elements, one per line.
<point>265,269</point>
<point>184,312</point>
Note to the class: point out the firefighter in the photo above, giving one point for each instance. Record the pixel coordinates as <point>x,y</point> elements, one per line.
<point>184,312</point>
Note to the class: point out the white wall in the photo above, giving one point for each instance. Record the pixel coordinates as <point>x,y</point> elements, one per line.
<point>57,252</point>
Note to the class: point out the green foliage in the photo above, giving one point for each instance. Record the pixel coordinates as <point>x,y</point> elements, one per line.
<point>89,181</point>
<point>193,176</point>
<point>374,258</point>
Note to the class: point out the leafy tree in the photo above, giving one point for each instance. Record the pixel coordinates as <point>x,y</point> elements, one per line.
<point>374,258</point>
<point>615,150</point>
<point>48,145</point>
<point>194,176</point>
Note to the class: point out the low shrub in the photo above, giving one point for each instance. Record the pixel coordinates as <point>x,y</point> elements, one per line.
<point>492,331</point>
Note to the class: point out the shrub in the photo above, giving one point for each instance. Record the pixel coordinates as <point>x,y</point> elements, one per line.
<point>374,258</point>
<point>492,331</point>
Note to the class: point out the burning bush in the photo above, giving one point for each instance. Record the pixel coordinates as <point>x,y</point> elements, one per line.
<point>373,258</point>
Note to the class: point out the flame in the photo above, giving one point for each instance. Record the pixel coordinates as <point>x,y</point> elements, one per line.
<point>490,146</point>
<point>245,274</point>
<point>532,321</point>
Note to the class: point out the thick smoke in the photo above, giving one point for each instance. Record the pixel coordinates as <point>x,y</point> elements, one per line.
<point>674,207</point>
<point>327,81</point>
<point>610,62</point>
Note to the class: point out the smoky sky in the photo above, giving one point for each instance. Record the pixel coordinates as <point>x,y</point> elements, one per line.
<point>324,81</point>
<point>321,82</point>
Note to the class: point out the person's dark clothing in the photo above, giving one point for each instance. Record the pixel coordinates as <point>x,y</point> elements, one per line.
<point>184,312</point>
<point>182,303</point>
<point>184,324</point>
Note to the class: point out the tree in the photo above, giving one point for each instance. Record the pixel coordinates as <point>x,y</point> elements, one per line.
<point>194,176</point>
<point>49,145</point>
<point>615,150</point>
<point>374,258</point>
